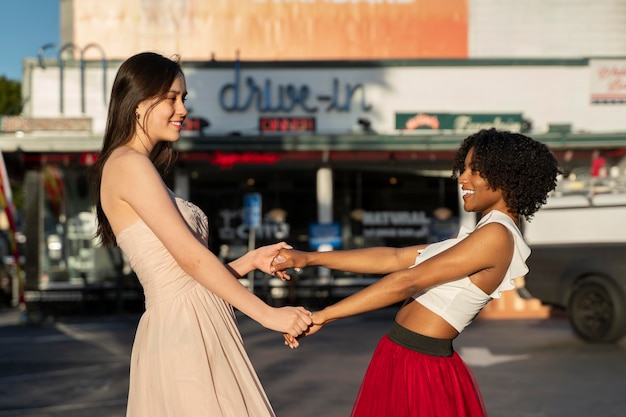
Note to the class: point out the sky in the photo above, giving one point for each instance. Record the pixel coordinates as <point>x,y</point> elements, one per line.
<point>27,26</point>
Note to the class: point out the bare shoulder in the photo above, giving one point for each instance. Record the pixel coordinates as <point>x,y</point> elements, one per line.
<point>131,187</point>
<point>494,232</point>
<point>123,159</point>
<point>127,168</point>
<point>495,228</point>
<point>493,240</point>
<point>126,176</point>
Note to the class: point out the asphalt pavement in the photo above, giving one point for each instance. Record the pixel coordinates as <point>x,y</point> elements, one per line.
<point>78,367</point>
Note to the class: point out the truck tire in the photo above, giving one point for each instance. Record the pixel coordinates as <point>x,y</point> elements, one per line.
<point>596,310</point>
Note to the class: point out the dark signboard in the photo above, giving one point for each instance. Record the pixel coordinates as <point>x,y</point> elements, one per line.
<point>465,122</point>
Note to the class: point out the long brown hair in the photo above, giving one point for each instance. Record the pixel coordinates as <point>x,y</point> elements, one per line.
<point>141,77</point>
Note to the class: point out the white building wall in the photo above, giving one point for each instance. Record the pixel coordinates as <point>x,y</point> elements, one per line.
<point>507,29</point>
<point>547,28</point>
<point>545,94</point>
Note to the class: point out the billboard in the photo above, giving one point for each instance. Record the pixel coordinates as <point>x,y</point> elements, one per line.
<point>200,30</point>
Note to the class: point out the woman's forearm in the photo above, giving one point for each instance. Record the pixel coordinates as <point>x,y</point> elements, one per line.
<point>241,266</point>
<point>259,258</point>
<point>389,290</point>
<point>377,260</point>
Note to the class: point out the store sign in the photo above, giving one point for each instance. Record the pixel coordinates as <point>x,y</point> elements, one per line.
<point>395,224</point>
<point>459,122</point>
<point>252,209</point>
<point>327,234</point>
<point>195,124</point>
<point>608,81</point>
<point>286,124</point>
<point>267,96</point>
<point>233,227</point>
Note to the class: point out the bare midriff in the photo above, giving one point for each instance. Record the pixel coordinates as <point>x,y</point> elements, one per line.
<point>419,319</point>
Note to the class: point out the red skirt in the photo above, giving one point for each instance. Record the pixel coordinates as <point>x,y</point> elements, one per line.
<point>403,382</point>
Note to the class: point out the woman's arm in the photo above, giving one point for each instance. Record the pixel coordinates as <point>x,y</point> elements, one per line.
<point>484,256</point>
<point>259,258</point>
<point>377,260</point>
<point>132,187</point>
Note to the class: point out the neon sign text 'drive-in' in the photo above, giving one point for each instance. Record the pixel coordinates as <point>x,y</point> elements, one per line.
<point>267,97</point>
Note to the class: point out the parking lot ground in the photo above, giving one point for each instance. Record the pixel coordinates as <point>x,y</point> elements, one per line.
<point>78,367</point>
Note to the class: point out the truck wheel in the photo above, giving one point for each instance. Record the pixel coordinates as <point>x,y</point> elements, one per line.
<point>596,310</point>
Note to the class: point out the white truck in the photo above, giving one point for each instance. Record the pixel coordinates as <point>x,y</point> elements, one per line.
<point>578,260</point>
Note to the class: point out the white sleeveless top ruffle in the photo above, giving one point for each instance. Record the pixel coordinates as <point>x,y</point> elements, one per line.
<point>459,302</point>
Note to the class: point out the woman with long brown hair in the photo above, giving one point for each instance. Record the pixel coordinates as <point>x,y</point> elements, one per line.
<point>188,357</point>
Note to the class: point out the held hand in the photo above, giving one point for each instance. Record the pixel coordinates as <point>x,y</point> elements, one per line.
<point>291,341</point>
<point>288,258</point>
<point>265,255</point>
<point>289,320</point>
<point>317,324</point>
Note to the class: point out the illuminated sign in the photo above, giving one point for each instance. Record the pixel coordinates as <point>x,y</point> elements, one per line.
<point>325,234</point>
<point>228,160</point>
<point>287,124</point>
<point>195,124</point>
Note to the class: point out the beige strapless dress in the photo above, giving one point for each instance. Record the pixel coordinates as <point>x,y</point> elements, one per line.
<point>188,357</point>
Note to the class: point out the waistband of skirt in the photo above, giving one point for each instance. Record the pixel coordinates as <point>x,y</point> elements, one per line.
<point>420,343</point>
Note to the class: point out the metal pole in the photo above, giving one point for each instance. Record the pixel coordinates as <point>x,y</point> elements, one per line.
<point>251,246</point>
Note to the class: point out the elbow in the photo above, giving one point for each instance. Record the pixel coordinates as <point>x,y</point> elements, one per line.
<point>410,291</point>
<point>190,266</point>
<point>409,283</point>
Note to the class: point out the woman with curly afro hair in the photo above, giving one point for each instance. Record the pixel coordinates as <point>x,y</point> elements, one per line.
<point>521,167</point>
<point>414,370</point>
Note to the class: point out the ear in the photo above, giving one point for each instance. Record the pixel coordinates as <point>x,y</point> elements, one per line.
<point>141,109</point>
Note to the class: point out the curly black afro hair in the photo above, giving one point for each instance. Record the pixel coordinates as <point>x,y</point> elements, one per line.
<point>524,169</point>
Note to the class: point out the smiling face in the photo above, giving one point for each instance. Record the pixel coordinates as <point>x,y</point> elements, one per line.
<point>161,119</point>
<point>478,196</point>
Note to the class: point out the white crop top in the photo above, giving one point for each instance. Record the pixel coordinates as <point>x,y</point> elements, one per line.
<point>459,302</point>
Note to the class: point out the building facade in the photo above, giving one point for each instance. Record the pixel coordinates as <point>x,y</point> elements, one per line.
<point>348,152</point>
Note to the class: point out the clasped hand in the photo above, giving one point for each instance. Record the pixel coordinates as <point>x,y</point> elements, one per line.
<point>285,259</point>
<point>317,324</point>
